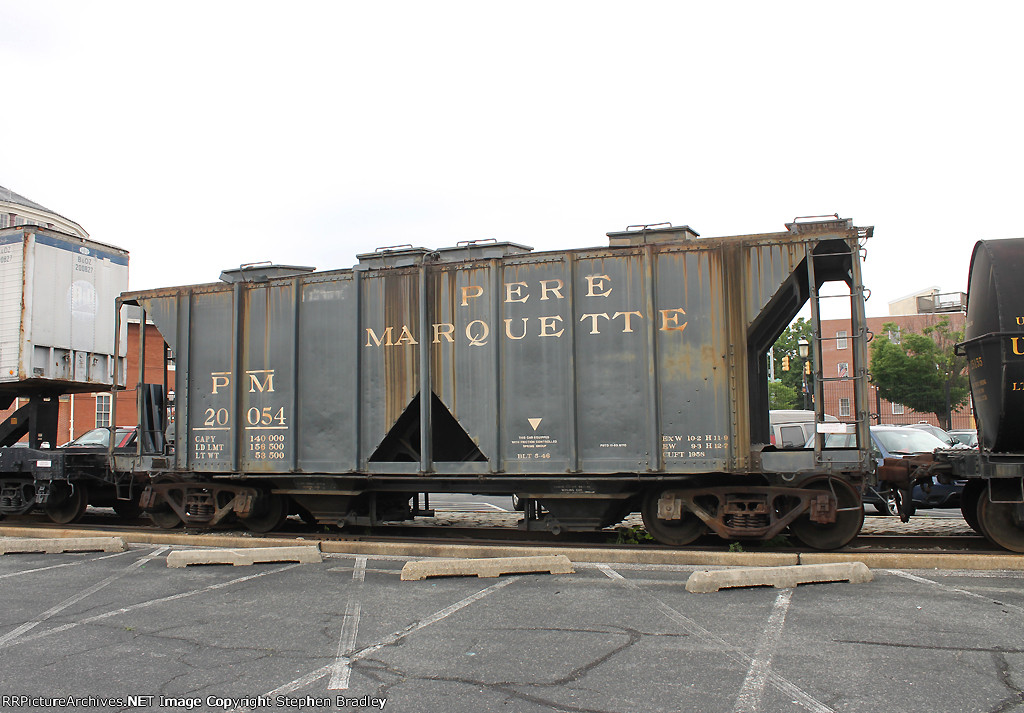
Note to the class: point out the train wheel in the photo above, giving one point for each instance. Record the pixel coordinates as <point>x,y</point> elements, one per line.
<point>165,519</point>
<point>1003,523</point>
<point>272,514</point>
<point>849,518</point>
<point>74,499</point>
<point>969,498</point>
<point>670,532</point>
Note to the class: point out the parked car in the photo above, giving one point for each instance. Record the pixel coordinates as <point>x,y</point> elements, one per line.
<point>935,431</point>
<point>792,428</point>
<point>894,442</point>
<point>100,438</point>
<point>966,436</point>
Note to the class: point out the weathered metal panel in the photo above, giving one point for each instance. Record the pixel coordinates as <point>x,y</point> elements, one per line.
<point>613,362</point>
<point>327,393</point>
<point>163,312</point>
<point>169,312</point>
<point>767,266</point>
<point>211,405</point>
<point>389,361</point>
<point>464,344</point>
<point>537,392</point>
<point>694,372</point>
<point>266,383</point>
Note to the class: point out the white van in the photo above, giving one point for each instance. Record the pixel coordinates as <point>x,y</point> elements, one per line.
<point>792,428</point>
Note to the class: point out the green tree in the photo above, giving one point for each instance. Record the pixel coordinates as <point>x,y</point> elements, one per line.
<point>921,371</point>
<point>788,345</point>
<point>781,396</point>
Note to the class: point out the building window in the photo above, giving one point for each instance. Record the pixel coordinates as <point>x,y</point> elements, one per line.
<point>897,409</point>
<point>844,407</point>
<point>102,410</point>
<point>894,337</point>
<point>840,340</point>
<point>844,369</point>
<point>5,220</point>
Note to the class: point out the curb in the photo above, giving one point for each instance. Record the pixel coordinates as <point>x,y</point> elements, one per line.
<point>50,546</point>
<point>884,560</point>
<point>706,581</point>
<point>486,567</point>
<point>309,554</point>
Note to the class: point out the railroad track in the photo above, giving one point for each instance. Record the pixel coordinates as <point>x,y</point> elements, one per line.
<point>455,535</point>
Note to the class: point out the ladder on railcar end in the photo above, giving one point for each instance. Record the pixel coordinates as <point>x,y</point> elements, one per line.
<point>854,381</point>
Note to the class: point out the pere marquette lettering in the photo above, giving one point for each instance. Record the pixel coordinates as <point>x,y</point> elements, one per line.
<point>478,332</point>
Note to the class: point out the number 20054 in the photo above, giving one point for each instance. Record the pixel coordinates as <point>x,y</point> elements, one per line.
<point>254,417</point>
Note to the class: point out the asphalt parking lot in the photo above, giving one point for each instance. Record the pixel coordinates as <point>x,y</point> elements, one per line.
<point>347,634</point>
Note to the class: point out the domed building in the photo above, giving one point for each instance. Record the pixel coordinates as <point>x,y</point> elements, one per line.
<point>17,210</point>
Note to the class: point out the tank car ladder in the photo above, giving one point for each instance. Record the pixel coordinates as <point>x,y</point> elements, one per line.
<point>857,373</point>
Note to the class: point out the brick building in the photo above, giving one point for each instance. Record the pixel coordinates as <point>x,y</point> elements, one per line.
<point>910,314</point>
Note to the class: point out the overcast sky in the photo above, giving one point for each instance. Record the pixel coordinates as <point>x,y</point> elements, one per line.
<point>203,135</point>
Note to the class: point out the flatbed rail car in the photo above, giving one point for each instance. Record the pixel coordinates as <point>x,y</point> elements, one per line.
<point>591,383</point>
<point>56,335</point>
<point>992,501</point>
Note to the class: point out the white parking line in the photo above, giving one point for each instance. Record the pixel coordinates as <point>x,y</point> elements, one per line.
<point>388,640</point>
<point>974,573</point>
<point>733,653</point>
<point>12,635</point>
<point>66,564</point>
<point>149,603</point>
<point>359,569</point>
<point>342,669</point>
<point>957,590</point>
<point>349,631</point>
<point>749,699</point>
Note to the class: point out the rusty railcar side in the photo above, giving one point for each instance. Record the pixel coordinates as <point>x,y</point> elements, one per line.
<point>590,381</point>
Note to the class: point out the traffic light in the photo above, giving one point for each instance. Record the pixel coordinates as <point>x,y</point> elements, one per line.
<point>807,367</point>
<point>785,362</point>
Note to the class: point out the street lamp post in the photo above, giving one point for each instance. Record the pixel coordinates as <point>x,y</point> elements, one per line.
<point>803,348</point>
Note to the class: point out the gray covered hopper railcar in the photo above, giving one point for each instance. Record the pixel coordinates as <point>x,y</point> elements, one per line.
<point>592,383</point>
